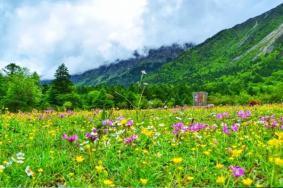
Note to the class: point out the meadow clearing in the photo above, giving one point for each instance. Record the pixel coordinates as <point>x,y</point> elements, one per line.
<point>220,146</point>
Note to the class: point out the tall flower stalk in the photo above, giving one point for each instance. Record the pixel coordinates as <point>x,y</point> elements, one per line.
<point>141,88</point>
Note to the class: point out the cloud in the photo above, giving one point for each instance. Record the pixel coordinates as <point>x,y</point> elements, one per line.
<point>85,34</point>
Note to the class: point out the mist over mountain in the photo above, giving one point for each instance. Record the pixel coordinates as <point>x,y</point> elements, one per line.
<point>126,72</point>
<point>246,58</point>
<point>85,34</point>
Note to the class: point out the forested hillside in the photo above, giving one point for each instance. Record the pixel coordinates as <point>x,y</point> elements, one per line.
<point>241,63</point>
<point>243,60</point>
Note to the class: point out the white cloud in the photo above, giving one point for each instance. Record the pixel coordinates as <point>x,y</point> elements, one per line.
<point>84,34</point>
<point>78,34</point>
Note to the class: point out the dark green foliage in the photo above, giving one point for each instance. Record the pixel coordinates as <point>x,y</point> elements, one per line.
<point>62,83</point>
<point>61,87</point>
<point>12,68</point>
<point>19,89</point>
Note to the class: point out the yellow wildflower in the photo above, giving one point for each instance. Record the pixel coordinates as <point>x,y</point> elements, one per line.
<point>274,142</point>
<point>40,170</point>
<point>220,180</point>
<point>206,153</point>
<point>278,161</point>
<point>177,160</point>
<point>144,181</point>
<point>280,135</point>
<point>236,152</point>
<point>123,121</point>
<point>87,147</point>
<point>189,178</point>
<point>219,166</point>
<point>247,181</point>
<point>147,132</point>
<point>108,182</point>
<point>99,168</point>
<point>79,159</point>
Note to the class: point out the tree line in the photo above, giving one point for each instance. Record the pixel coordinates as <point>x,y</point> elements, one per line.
<point>21,90</point>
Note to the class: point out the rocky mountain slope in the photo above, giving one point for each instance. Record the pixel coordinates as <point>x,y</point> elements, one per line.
<point>126,72</point>
<point>245,58</point>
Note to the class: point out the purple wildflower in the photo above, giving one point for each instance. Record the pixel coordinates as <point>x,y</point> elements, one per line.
<point>226,114</point>
<point>244,114</point>
<point>180,127</point>
<point>270,121</point>
<point>177,127</point>
<point>72,138</point>
<point>107,122</point>
<point>65,136</point>
<point>197,127</point>
<point>262,118</point>
<point>92,135</point>
<point>130,139</point>
<point>225,129</point>
<point>238,171</point>
<point>222,115</point>
<point>219,116</point>
<point>235,127</point>
<point>130,123</point>
<point>274,124</point>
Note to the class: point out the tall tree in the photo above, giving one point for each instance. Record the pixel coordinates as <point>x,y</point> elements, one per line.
<point>61,85</point>
<point>12,68</point>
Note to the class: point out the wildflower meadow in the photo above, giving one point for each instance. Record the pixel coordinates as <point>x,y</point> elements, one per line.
<point>219,146</point>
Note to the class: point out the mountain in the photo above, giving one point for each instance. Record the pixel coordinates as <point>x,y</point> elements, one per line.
<point>246,59</point>
<point>126,72</point>
<point>230,51</point>
<point>248,53</point>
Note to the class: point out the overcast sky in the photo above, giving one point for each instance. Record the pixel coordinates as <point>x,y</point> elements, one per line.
<point>85,34</point>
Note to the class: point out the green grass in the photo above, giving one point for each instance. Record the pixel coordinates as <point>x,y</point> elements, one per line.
<point>150,157</point>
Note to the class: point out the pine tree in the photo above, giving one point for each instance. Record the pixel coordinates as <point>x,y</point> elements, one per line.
<point>61,85</point>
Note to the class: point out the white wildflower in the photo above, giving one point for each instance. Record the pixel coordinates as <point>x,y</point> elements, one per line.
<point>28,171</point>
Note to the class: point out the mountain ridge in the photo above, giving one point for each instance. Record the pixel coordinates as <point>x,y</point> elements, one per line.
<point>248,55</point>
<point>220,49</point>
<point>126,72</point>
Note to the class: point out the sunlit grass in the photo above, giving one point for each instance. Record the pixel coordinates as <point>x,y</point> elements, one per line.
<point>149,151</point>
